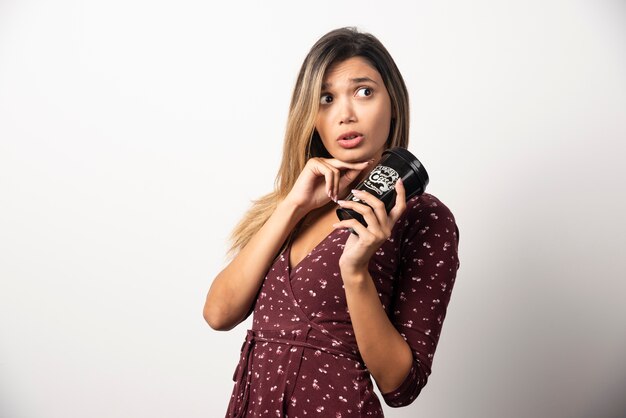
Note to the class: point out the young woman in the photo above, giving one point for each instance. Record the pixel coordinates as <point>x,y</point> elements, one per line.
<point>332,308</point>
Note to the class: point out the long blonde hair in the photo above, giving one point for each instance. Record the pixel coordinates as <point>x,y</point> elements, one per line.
<point>301,139</point>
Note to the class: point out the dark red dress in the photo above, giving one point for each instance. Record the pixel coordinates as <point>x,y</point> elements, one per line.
<point>301,359</point>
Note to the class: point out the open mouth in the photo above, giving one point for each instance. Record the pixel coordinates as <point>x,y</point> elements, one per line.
<point>349,135</point>
<point>350,140</point>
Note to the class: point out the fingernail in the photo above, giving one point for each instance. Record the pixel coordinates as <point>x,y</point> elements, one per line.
<point>341,202</point>
<point>355,191</point>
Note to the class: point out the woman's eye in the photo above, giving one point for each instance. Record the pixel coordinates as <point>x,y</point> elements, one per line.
<point>364,92</point>
<point>326,99</point>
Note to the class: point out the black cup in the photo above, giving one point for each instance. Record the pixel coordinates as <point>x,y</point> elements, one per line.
<point>395,163</point>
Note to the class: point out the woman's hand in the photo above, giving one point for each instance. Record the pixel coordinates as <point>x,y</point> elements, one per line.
<point>322,180</point>
<point>359,249</point>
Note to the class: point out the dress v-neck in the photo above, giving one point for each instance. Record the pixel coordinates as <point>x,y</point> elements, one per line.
<point>288,253</point>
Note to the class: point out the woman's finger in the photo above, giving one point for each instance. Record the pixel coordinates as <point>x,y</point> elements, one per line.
<point>336,183</point>
<point>376,204</point>
<point>357,227</point>
<point>365,211</point>
<point>320,169</point>
<point>374,225</point>
<point>400,205</point>
<point>332,184</point>
<point>346,179</point>
<point>346,172</point>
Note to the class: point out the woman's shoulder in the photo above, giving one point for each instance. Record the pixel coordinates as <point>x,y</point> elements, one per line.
<point>427,214</point>
<point>426,219</point>
<point>427,206</point>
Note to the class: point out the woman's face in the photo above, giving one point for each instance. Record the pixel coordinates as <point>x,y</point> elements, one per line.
<point>355,111</point>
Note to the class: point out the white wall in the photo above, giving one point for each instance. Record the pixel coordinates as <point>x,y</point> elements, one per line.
<point>133,135</point>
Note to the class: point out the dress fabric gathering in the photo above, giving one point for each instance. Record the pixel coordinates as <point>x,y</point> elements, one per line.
<point>300,358</point>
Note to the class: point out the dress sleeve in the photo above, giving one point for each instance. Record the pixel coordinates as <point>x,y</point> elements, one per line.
<point>426,274</point>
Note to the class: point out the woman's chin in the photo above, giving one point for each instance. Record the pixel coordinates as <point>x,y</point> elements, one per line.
<point>353,156</point>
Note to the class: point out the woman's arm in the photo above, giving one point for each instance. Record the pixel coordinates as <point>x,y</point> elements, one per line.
<point>233,291</point>
<point>385,353</point>
<point>426,275</point>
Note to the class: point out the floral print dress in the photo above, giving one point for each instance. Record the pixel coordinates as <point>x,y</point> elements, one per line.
<point>301,359</point>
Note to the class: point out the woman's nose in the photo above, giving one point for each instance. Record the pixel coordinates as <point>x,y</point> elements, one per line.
<point>347,113</point>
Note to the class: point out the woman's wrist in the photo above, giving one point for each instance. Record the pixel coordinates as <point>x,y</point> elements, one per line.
<point>291,209</point>
<point>355,275</point>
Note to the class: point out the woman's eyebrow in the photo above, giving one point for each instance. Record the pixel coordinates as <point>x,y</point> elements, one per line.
<point>361,80</point>
<point>356,80</point>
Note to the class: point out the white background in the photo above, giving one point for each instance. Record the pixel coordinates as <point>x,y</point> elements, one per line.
<point>135,133</point>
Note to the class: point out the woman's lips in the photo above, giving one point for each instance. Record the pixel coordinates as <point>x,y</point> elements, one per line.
<point>350,141</point>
